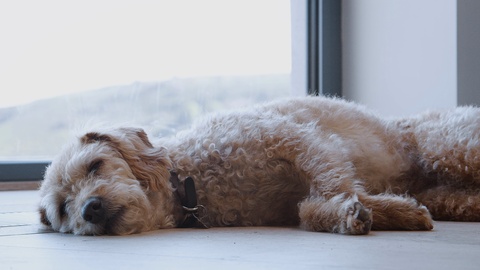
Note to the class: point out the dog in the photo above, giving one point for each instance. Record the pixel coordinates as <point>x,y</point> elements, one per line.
<point>323,164</point>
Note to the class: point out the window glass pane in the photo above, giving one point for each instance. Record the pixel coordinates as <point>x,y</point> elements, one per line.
<point>157,64</point>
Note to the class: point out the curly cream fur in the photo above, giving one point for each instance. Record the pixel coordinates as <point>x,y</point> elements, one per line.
<point>324,164</point>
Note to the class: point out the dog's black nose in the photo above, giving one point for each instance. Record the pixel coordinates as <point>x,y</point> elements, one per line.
<point>93,210</point>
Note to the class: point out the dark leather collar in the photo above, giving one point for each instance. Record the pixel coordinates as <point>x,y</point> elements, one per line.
<point>188,199</point>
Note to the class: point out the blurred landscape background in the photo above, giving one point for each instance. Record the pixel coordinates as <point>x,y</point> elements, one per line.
<point>39,129</point>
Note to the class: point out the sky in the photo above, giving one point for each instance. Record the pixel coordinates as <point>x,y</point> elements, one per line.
<point>55,47</point>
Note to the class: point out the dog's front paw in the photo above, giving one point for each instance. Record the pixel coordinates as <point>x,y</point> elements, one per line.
<point>358,220</point>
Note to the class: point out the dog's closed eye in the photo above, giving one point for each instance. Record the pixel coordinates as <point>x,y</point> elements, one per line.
<point>94,166</point>
<point>43,217</point>
<point>62,209</point>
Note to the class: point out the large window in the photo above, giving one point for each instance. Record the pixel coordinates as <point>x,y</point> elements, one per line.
<point>157,64</point>
<point>154,64</point>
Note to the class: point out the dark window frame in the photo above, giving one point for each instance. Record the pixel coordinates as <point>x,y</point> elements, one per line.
<point>11,171</point>
<point>324,47</point>
<point>323,54</point>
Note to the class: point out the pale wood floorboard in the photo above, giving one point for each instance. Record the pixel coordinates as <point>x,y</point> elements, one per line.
<point>24,245</point>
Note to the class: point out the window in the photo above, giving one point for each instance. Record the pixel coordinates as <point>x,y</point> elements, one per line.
<point>155,64</point>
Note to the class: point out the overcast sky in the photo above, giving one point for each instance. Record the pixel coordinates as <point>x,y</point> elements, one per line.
<point>54,47</point>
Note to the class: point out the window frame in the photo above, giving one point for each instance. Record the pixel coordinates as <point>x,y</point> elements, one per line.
<point>324,47</point>
<point>323,59</point>
<point>22,170</point>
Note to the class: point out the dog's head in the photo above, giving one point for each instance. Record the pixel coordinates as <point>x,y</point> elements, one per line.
<point>113,182</point>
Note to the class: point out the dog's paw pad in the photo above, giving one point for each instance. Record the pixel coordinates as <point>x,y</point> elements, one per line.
<point>362,214</point>
<point>359,219</point>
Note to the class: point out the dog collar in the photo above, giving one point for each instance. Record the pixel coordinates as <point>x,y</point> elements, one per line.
<point>188,199</point>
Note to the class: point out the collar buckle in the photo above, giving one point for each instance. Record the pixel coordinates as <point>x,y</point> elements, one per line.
<point>189,202</point>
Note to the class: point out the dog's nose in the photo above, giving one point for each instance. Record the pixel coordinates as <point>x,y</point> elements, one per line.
<point>93,210</point>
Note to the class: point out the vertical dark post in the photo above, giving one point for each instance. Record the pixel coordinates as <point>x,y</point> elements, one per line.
<point>313,57</point>
<point>324,47</point>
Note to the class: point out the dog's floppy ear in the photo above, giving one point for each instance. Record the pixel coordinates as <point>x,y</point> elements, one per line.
<point>148,164</point>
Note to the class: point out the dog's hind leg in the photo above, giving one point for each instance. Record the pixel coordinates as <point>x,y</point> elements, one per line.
<point>450,203</point>
<point>395,212</point>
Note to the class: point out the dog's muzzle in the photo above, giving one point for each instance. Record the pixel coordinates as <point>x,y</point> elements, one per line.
<point>93,210</point>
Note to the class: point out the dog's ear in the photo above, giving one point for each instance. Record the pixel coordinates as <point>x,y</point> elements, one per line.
<point>148,164</point>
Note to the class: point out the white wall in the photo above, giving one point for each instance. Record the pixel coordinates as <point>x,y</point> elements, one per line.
<point>399,56</point>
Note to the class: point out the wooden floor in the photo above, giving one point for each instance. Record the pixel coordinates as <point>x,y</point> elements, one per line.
<point>23,245</point>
